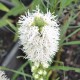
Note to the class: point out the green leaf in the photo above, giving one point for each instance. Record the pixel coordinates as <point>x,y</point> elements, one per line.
<point>72,34</point>
<point>11,25</point>
<point>15,11</point>
<point>23,75</point>
<point>34,4</point>
<point>53,5</point>
<point>58,78</point>
<point>14,71</point>
<point>3,22</point>
<point>39,3</point>
<point>65,27</point>
<point>16,2</point>
<point>65,68</point>
<point>15,75</point>
<point>3,7</point>
<point>16,36</point>
<point>72,43</point>
<point>63,4</point>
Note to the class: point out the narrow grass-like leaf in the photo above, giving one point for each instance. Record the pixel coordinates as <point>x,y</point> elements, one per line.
<point>16,2</point>
<point>14,71</point>
<point>72,34</point>
<point>63,4</point>
<point>65,27</point>
<point>23,75</point>
<point>15,75</point>
<point>65,68</point>
<point>74,27</point>
<point>64,30</point>
<point>72,43</point>
<point>53,5</point>
<point>36,3</point>
<point>3,7</point>
<point>11,25</point>
<point>58,78</point>
<point>15,11</point>
<point>3,22</point>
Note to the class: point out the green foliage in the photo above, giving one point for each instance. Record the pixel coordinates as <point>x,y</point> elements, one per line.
<point>3,22</point>
<point>39,3</point>
<point>11,25</point>
<point>65,68</point>
<point>20,69</point>
<point>53,5</point>
<point>3,7</point>
<point>64,29</point>
<point>72,43</point>
<point>74,32</point>
<point>64,3</point>
<point>15,11</point>
<point>16,2</point>
<point>14,71</point>
<point>18,9</point>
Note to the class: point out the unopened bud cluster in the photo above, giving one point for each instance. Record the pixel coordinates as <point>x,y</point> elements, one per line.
<point>39,71</point>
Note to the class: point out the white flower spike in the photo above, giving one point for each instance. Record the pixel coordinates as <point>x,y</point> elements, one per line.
<point>3,76</point>
<point>39,35</point>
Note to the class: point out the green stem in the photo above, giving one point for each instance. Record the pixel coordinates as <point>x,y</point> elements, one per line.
<point>14,71</point>
<point>15,75</point>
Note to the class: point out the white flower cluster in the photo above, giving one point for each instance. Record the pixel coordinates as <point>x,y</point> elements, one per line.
<point>39,35</point>
<point>3,76</point>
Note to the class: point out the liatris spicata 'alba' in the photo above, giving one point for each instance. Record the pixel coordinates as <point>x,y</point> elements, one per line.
<point>39,35</point>
<point>3,76</point>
